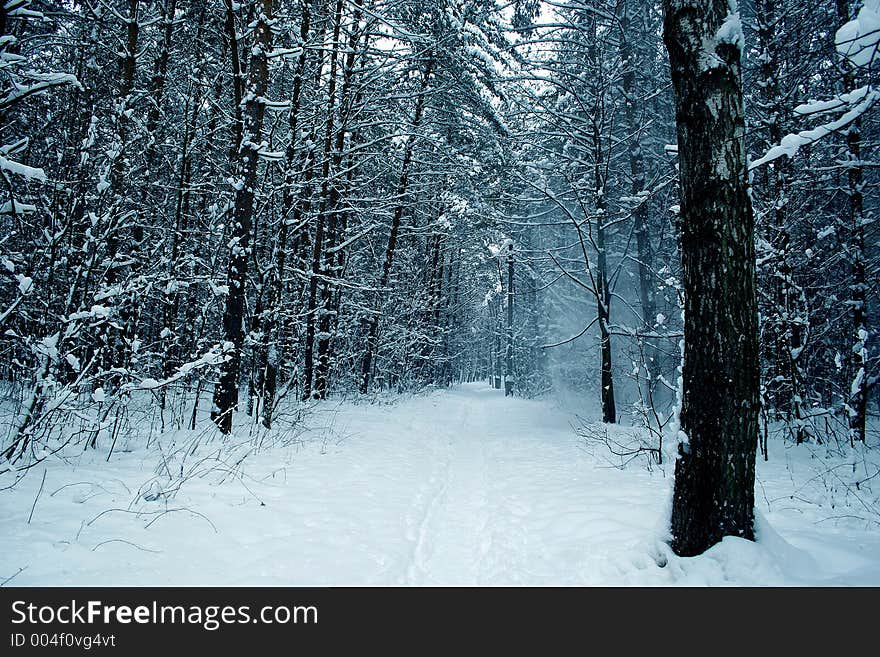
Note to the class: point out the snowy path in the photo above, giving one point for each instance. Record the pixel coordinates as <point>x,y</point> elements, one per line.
<point>461,486</point>
<point>504,466</point>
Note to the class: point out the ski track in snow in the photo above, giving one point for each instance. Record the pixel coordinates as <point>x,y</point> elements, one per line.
<point>460,486</point>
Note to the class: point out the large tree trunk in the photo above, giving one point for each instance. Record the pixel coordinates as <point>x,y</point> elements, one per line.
<point>226,392</point>
<point>715,474</point>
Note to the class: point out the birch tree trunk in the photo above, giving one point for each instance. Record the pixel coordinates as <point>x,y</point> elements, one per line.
<point>715,474</point>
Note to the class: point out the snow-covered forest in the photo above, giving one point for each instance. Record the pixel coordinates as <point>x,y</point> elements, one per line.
<point>439,291</point>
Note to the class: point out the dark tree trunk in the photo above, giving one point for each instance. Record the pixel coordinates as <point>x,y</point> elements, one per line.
<point>373,327</point>
<point>496,344</point>
<point>783,328</point>
<point>509,376</point>
<point>427,363</point>
<point>603,298</point>
<point>271,352</point>
<point>331,193</point>
<point>226,392</point>
<point>114,350</point>
<point>603,292</point>
<point>630,65</point>
<point>858,388</point>
<point>312,384</point>
<point>715,474</point>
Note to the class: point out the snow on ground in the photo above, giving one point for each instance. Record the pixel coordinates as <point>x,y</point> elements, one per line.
<point>460,486</point>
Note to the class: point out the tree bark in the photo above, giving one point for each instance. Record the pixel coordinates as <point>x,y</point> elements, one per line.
<point>509,376</point>
<point>315,315</point>
<point>783,342</point>
<point>373,328</point>
<point>603,292</point>
<point>114,349</point>
<point>858,387</point>
<point>271,352</point>
<point>715,472</point>
<point>630,87</point>
<point>332,194</point>
<point>253,111</point>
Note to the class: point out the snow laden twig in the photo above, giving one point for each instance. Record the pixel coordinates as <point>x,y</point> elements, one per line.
<point>857,41</point>
<point>214,356</point>
<point>790,144</point>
